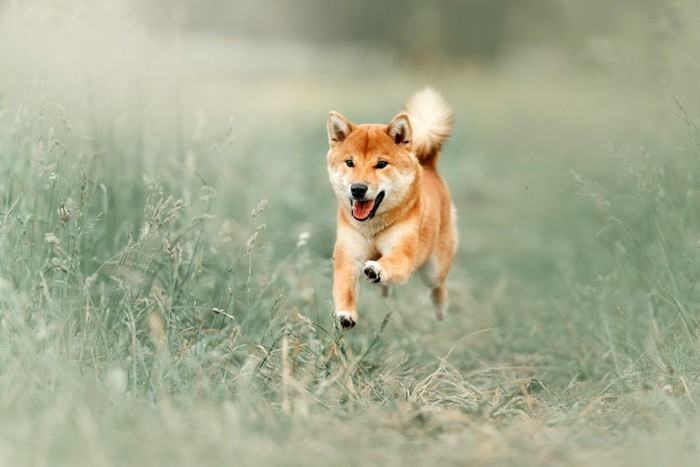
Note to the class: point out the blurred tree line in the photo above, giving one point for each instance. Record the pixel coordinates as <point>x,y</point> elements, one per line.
<point>478,30</point>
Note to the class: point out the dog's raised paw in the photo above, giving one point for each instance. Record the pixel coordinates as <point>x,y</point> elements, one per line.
<point>346,320</point>
<point>373,271</point>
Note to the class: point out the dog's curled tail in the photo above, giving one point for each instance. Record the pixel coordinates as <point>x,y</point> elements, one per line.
<point>431,123</point>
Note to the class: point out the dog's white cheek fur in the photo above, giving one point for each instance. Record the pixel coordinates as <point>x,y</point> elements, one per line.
<point>339,183</point>
<point>396,189</point>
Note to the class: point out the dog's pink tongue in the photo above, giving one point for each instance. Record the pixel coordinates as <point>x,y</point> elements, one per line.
<point>361,209</point>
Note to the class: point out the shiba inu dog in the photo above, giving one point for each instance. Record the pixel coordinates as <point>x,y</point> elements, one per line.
<point>395,215</point>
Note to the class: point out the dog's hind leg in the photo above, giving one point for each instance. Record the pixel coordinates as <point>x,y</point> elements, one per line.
<point>433,274</point>
<point>440,300</point>
<point>438,265</point>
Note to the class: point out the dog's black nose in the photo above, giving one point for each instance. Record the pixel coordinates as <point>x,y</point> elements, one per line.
<point>358,190</point>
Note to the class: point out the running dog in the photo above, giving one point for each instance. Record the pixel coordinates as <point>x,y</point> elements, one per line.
<point>395,215</point>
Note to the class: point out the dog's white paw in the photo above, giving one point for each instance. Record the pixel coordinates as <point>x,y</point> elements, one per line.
<point>346,319</point>
<point>373,271</point>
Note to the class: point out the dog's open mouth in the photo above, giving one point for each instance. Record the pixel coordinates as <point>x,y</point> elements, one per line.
<point>365,209</point>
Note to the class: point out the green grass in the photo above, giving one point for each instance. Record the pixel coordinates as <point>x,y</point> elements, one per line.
<point>154,310</point>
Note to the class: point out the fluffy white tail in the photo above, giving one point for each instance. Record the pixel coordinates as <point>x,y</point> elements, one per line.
<point>431,123</point>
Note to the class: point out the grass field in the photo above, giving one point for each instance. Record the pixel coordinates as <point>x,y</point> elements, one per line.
<point>165,238</point>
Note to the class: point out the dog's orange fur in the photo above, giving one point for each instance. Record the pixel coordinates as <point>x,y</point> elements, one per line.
<point>413,226</point>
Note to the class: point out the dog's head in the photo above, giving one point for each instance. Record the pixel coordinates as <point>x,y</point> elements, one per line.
<point>372,167</point>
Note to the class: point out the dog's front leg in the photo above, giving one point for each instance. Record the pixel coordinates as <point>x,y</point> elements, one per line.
<point>398,256</point>
<point>344,288</point>
<point>348,255</point>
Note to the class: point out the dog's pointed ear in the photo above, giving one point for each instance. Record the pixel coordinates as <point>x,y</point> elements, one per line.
<point>400,130</point>
<point>338,128</point>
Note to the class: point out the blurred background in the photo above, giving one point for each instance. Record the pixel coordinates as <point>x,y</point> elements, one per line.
<point>275,43</point>
<point>444,34</point>
<point>477,32</point>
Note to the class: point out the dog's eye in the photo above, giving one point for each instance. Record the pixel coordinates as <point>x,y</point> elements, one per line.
<point>349,163</point>
<point>381,164</point>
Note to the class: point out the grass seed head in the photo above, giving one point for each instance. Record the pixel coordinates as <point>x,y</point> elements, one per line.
<point>207,193</point>
<point>51,239</point>
<point>259,208</point>
<point>303,237</point>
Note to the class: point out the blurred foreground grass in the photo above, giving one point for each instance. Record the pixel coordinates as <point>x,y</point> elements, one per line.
<point>165,273</point>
